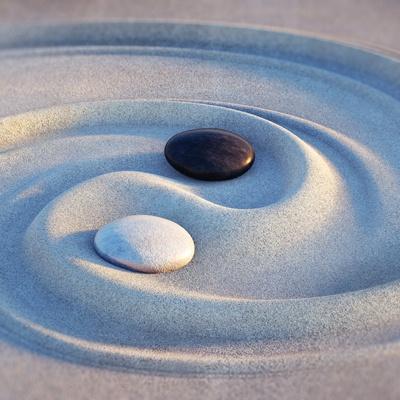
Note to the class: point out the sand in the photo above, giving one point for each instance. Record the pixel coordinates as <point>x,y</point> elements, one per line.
<point>296,263</point>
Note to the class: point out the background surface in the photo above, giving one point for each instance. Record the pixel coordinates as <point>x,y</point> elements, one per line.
<point>25,375</point>
<point>365,21</point>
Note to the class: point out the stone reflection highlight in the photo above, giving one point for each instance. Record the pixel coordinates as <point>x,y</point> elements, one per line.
<point>209,154</point>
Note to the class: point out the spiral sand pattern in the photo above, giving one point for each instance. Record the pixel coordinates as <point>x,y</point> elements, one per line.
<point>296,261</point>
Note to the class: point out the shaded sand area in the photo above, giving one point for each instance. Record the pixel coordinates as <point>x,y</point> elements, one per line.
<point>296,264</point>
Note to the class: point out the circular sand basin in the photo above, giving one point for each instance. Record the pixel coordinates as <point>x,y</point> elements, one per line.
<point>296,260</point>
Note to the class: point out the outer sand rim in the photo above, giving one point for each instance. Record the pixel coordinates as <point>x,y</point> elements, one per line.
<point>332,56</point>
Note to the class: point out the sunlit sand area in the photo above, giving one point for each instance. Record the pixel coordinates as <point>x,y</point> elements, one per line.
<point>254,255</point>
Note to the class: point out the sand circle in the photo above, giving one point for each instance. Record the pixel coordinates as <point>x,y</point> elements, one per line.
<point>209,154</point>
<point>145,243</point>
<point>296,261</point>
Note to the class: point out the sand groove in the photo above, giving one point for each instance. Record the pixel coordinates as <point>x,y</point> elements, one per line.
<point>296,260</point>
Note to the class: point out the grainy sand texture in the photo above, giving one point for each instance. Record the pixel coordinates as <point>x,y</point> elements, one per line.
<point>296,266</point>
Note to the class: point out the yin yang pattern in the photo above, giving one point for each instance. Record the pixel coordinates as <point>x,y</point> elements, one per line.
<point>296,260</point>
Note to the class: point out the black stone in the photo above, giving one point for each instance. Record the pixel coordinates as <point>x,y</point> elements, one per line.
<point>209,154</point>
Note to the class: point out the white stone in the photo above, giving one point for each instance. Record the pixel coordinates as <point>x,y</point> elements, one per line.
<point>145,243</point>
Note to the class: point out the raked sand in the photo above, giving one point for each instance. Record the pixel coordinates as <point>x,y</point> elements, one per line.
<point>296,264</point>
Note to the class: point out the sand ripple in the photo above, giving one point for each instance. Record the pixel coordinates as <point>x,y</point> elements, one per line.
<point>295,259</point>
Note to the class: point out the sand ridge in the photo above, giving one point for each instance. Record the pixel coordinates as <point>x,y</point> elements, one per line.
<point>297,256</point>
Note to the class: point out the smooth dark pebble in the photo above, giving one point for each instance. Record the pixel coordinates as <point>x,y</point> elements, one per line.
<point>209,154</point>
